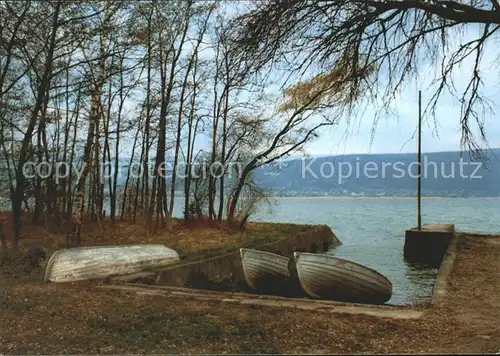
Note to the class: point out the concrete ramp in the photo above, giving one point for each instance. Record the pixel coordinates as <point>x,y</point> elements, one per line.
<point>382,311</point>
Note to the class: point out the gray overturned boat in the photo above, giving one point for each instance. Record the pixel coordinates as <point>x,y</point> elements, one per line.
<point>267,272</point>
<point>98,262</point>
<point>327,277</point>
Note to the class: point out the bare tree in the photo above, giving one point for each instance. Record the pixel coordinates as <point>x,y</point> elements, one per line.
<point>98,80</point>
<point>169,53</point>
<point>399,37</point>
<point>306,107</point>
<point>192,62</point>
<point>41,91</point>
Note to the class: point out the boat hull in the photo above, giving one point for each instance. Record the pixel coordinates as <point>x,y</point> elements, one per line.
<point>327,277</point>
<point>266,272</point>
<point>89,263</point>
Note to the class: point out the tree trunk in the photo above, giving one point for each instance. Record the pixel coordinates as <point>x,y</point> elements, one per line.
<point>73,240</point>
<point>223,149</point>
<point>145,184</point>
<point>71,161</point>
<point>125,194</point>
<point>187,169</point>
<point>117,146</point>
<point>17,194</point>
<point>239,187</point>
<point>161,198</point>
<point>211,180</point>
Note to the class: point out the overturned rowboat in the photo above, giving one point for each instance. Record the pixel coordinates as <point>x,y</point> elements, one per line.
<point>267,272</point>
<point>327,277</point>
<point>98,262</point>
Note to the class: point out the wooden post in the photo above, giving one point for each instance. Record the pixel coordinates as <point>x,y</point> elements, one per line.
<point>419,158</point>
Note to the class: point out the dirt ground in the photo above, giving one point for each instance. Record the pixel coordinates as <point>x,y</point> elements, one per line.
<point>76,319</point>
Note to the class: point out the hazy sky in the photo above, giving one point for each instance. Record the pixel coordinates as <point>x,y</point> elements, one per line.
<point>398,134</point>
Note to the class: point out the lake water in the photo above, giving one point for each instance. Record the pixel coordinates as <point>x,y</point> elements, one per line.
<point>372,230</point>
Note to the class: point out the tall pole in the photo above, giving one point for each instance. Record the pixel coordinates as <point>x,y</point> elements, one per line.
<point>419,158</point>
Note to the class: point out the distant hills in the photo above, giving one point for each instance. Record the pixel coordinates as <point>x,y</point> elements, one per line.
<point>443,174</point>
<point>449,174</point>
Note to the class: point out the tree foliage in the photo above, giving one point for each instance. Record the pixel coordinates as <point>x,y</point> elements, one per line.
<point>338,87</point>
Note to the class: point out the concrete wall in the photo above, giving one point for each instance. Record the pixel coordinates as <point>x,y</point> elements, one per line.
<point>226,273</point>
<point>428,245</point>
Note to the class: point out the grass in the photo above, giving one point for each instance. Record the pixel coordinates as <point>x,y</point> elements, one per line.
<point>80,319</point>
<point>192,242</point>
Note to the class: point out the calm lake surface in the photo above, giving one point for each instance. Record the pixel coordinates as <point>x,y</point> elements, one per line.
<point>372,230</point>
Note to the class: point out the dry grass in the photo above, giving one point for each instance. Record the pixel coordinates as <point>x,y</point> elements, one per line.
<point>195,241</point>
<point>80,318</point>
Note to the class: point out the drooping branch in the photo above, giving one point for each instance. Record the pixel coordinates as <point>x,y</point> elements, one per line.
<point>397,37</point>
<point>448,10</point>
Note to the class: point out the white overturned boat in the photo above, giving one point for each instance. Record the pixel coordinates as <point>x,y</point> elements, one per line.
<point>327,277</point>
<point>266,271</point>
<point>97,262</point>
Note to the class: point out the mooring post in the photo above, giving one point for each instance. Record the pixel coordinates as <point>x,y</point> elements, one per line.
<point>419,160</point>
<point>425,244</point>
